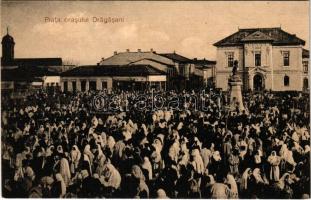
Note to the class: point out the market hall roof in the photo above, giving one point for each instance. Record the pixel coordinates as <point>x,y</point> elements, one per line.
<point>113,70</point>
<point>124,58</point>
<point>150,59</point>
<point>276,36</point>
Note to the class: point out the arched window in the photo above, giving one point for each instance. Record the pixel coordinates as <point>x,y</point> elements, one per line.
<point>286,80</point>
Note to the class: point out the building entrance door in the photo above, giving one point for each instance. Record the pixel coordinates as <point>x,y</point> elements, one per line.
<point>258,83</point>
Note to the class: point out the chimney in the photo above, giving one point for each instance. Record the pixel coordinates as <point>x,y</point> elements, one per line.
<point>138,50</point>
<point>127,50</point>
<point>115,53</point>
<point>151,50</point>
<point>195,59</point>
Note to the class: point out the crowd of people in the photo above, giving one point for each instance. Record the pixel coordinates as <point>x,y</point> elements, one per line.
<point>58,146</point>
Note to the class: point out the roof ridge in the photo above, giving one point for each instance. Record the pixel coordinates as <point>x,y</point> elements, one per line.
<point>260,28</point>
<point>279,36</point>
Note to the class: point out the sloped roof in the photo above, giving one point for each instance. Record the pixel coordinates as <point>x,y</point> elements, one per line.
<point>38,61</point>
<point>277,35</point>
<point>203,62</point>
<point>25,73</point>
<point>32,62</point>
<point>175,57</point>
<point>125,58</point>
<point>113,70</point>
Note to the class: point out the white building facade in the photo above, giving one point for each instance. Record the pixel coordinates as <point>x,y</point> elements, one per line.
<point>269,59</point>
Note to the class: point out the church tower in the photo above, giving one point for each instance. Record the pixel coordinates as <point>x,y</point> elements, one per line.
<point>7,49</point>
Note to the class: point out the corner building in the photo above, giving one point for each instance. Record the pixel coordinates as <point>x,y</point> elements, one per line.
<point>269,59</point>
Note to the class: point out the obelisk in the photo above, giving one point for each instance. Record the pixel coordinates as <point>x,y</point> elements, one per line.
<point>235,90</point>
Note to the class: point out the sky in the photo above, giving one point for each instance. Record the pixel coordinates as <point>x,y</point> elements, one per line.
<point>188,28</point>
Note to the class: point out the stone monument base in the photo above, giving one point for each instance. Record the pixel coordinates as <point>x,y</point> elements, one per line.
<point>235,92</point>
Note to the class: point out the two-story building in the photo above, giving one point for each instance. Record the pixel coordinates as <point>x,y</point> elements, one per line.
<point>269,59</point>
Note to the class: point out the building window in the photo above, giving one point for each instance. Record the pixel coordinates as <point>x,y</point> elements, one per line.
<point>286,80</point>
<point>286,58</point>
<point>305,66</point>
<point>257,59</point>
<point>230,57</point>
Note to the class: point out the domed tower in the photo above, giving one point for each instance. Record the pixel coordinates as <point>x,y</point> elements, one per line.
<point>7,49</point>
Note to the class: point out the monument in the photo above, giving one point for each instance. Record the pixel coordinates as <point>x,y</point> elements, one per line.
<point>235,90</point>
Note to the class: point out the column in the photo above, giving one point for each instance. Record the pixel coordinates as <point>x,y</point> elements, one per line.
<point>99,84</point>
<point>251,81</point>
<point>109,85</point>
<point>78,85</point>
<point>62,85</point>
<point>87,85</point>
<point>70,86</point>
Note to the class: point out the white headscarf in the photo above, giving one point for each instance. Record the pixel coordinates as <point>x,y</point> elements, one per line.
<point>75,155</point>
<point>197,161</point>
<point>147,166</point>
<point>257,175</point>
<point>110,142</point>
<point>111,176</point>
<point>87,151</point>
<point>233,186</point>
<point>307,149</point>
<point>281,183</point>
<point>65,170</point>
<point>161,194</point>
<point>244,179</point>
<point>87,159</point>
<point>216,156</point>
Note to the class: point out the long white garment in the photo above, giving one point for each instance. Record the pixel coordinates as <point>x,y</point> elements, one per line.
<point>65,170</point>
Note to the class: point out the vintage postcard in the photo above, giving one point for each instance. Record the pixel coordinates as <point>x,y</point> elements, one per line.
<point>155,99</point>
